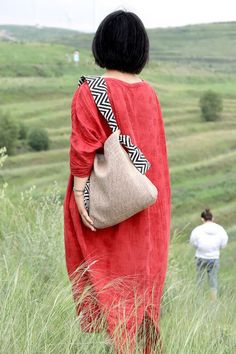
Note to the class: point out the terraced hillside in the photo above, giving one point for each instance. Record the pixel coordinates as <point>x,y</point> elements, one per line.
<point>202,155</point>
<point>36,87</point>
<point>205,45</point>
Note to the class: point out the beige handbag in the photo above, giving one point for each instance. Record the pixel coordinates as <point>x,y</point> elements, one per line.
<point>117,187</point>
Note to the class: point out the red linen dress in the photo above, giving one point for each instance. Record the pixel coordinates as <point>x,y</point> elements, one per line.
<point>124,265</point>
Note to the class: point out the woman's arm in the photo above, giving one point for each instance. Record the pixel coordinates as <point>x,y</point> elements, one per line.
<point>193,239</point>
<point>87,136</point>
<point>79,185</point>
<point>224,238</point>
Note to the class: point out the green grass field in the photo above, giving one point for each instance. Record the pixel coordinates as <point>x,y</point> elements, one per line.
<point>37,311</point>
<point>36,87</point>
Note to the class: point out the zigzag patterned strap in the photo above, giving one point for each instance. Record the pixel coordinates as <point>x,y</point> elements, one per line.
<point>98,88</point>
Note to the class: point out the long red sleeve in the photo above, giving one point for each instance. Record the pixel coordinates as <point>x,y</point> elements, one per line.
<point>87,134</point>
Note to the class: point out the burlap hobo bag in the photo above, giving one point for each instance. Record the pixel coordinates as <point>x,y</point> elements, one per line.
<point>117,189</point>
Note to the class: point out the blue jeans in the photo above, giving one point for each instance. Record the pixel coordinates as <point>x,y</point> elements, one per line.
<point>211,266</point>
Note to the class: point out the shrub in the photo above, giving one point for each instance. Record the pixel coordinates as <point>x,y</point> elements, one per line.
<point>22,131</point>
<point>38,139</point>
<point>211,105</point>
<point>9,131</point>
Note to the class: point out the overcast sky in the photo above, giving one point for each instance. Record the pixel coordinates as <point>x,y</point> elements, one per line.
<point>85,15</point>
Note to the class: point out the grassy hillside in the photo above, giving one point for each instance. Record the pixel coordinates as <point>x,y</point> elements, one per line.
<point>36,87</point>
<point>207,45</point>
<point>37,311</point>
<point>201,155</point>
<point>210,45</point>
<point>38,59</point>
<point>48,35</point>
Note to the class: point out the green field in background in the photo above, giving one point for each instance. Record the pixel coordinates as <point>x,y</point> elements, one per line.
<point>36,87</point>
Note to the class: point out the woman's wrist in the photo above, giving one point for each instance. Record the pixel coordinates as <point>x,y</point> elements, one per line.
<point>77,190</point>
<point>79,185</point>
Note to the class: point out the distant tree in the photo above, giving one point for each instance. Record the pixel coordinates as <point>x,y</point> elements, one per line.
<point>38,139</point>
<point>22,131</point>
<point>211,105</point>
<point>9,131</point>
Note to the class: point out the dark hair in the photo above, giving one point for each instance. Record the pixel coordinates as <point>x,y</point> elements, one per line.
<point>207,215</point>
<point>121,43</point>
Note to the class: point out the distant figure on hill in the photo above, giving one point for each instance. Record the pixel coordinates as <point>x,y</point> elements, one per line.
<point>76,57</point>
<point>208,238</point>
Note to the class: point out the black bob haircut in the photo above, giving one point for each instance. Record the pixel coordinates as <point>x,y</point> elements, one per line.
<point>121,43</point>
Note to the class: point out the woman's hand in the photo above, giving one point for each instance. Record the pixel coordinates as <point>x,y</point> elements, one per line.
<point>79,198</point>
<point>79,185</point>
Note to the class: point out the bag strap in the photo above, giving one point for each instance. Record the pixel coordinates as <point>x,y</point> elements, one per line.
<point>98,89</point>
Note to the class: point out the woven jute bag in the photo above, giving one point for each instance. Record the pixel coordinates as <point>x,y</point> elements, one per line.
<point>117,188</point>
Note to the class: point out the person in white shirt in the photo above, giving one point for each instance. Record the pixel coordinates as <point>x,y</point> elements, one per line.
<point>76,57</point>
<point>208,239</point>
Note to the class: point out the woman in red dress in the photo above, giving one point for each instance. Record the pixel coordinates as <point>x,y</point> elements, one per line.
<point>118,273</point>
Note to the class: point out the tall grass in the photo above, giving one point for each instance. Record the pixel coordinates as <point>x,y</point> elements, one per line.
<point>37,311</point>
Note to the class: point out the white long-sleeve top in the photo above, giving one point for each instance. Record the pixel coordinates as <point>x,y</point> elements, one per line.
<point>208,238</point>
